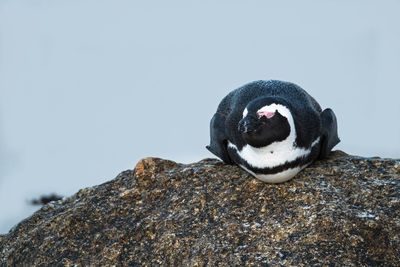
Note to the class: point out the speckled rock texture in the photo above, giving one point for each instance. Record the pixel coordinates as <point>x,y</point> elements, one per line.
<point>344,211</point>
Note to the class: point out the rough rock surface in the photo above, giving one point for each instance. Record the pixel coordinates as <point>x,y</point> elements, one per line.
<point>340,211</point>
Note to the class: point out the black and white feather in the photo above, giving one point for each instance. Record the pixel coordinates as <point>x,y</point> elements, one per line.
<point>272,129</point>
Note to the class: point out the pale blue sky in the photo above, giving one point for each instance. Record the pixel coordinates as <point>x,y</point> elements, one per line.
<point>87,88</point>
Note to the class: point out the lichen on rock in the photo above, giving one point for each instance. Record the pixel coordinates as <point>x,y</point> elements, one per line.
<point>342,211</point>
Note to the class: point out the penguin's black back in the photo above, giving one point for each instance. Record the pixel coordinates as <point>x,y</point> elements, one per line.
<point>294,94</point>
<point>304,109</point>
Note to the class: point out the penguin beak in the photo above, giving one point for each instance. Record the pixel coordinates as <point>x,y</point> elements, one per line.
<point>248,124</point>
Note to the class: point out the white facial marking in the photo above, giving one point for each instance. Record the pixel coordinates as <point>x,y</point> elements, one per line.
<point>245,111</point>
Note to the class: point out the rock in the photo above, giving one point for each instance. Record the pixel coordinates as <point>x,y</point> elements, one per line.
<point>341,211</point>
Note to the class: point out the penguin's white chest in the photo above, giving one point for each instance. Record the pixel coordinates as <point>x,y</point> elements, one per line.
<point>278,177</point>
<point>275,157</point>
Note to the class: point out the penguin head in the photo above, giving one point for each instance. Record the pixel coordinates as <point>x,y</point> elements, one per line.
<point>265,120</point>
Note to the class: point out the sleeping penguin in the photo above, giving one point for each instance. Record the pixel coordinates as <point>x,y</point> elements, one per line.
<point>272,129</point>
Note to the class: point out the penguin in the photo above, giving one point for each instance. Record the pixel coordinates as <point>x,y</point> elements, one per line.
<point>272,129</point>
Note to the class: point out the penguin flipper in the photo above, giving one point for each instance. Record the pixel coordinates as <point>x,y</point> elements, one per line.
<point>218,139</point>
<point>329,135</point>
